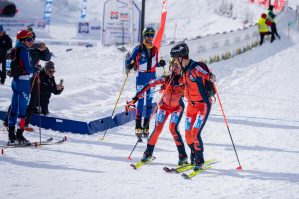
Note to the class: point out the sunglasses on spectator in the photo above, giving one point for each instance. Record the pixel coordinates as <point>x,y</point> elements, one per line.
<point>51,71</point>
<point>150,35</point>
<point>29,39</point>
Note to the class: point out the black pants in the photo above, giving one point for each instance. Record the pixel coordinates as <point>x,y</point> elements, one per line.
<point>3,70</point>
<point>274,30</point>
<point>34,100</point>
<point>262,34</point>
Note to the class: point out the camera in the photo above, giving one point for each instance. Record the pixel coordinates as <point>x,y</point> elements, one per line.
<point>61,81</point>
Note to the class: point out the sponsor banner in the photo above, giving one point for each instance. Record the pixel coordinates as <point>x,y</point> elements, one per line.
<point>90,30</point>
<point>13,25</point>
<point>121,22</point>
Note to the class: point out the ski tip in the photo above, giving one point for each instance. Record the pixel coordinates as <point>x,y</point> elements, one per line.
<point>185,176</point>
<point>129,158</point>
<point>239,168</point>
<point>132,165</point>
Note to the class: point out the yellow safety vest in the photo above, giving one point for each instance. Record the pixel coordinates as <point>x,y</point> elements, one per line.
<point>262,25</point>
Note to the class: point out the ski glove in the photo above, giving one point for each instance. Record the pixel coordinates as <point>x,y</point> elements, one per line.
<point>162,63</point>
<point>212,77</point>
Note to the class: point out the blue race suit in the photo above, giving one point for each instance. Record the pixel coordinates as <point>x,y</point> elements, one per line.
<point>21,88</point>
<point>146,61</point>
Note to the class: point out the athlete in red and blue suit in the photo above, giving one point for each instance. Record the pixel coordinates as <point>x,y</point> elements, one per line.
<point>171,103</point>
<point>144,60</point>
<point>21,89</point>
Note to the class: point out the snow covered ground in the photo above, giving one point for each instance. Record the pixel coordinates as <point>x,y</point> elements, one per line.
<point>259,93</point>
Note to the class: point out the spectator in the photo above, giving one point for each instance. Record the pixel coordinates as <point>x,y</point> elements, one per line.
<point>48,86</point>
<point>263,24</point>
<point>5,45</point>
<point>271,16</point>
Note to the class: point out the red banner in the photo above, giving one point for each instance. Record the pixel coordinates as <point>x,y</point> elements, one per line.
<point>160,32</point>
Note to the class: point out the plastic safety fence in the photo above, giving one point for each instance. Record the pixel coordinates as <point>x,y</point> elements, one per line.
<point>73,126</point>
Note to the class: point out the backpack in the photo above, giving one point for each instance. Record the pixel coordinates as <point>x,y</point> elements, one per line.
<point>209,86</point>
<point>15,69</point>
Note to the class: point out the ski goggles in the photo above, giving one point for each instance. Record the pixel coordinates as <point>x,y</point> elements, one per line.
<point>30,39</point>
<point>150,35</point>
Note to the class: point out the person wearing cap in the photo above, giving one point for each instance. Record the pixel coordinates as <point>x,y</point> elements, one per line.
<point>271,16</point>
<point>38,51</point>
<point>263,24</point>
<point>21,89</point>
<point>199,102</point>
<point>48,86</point>
<point>144,60</point>
<point>5,45</point>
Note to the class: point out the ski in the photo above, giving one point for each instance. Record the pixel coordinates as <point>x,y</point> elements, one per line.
<point>194,173</point>
<point>35,144</point>
<point>139,164</point>
<point>186,167</point>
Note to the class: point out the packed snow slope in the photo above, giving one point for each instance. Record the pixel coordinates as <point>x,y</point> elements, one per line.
<point>259,93</point>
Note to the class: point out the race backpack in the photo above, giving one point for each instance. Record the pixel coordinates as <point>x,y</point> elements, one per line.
<point>15,69</point>
<point>209,86</point>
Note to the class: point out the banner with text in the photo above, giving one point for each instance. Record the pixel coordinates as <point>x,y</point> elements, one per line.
<point>121,22</point>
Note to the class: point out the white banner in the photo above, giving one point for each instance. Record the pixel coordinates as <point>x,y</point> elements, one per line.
<point>120,19</point>
<point>13,25</point>
<point>213,48</point>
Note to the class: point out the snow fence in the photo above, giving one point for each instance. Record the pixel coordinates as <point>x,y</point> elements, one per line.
<point>222,46</point>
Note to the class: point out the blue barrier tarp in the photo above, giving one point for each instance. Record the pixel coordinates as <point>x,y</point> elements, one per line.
<point>66,125</point>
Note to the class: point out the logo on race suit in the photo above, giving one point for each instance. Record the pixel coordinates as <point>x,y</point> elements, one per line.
<point>174,117</point>
<point>199,68</point>
<point>139,88</point>
<point>161,116</point>
<point>188,124</point>
<point>191,78</point>
<point>198,121</point>
<point>114,15</point>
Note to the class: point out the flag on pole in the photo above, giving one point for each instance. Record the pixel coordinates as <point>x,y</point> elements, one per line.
<point>83,10</point>
<point>160,32</point>
<point>48,11</point>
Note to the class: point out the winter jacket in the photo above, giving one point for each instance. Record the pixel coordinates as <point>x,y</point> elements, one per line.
<point>5,45</point>
<point>47,87</point>
<point>144,62</point>
<point>263,25</point>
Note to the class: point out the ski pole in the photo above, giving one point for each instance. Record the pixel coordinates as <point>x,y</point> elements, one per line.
<point>39,107</point>
<point>139,140</point>
<point>225,120</point>
<point>122,88</point>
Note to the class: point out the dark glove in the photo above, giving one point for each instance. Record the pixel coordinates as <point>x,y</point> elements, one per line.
<point>162,63</point>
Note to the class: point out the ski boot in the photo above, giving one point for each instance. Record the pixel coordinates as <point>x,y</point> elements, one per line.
<point>145,128</point>
<point>183,159</point>
<point>21,139</point>
<point>11,136</point>
<point>146,156</point>
<point>192,157</point>
<point>198,165</point>
<point>138,128</point>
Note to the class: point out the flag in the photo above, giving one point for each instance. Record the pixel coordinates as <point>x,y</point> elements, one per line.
<point>48,11</point>
<point>160,32</point>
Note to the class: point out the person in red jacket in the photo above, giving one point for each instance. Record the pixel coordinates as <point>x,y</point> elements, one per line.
<point>171,104</point>
<point>199,102</point>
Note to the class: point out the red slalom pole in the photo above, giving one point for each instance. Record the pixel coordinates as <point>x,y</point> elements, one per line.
<point>225,120</point>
